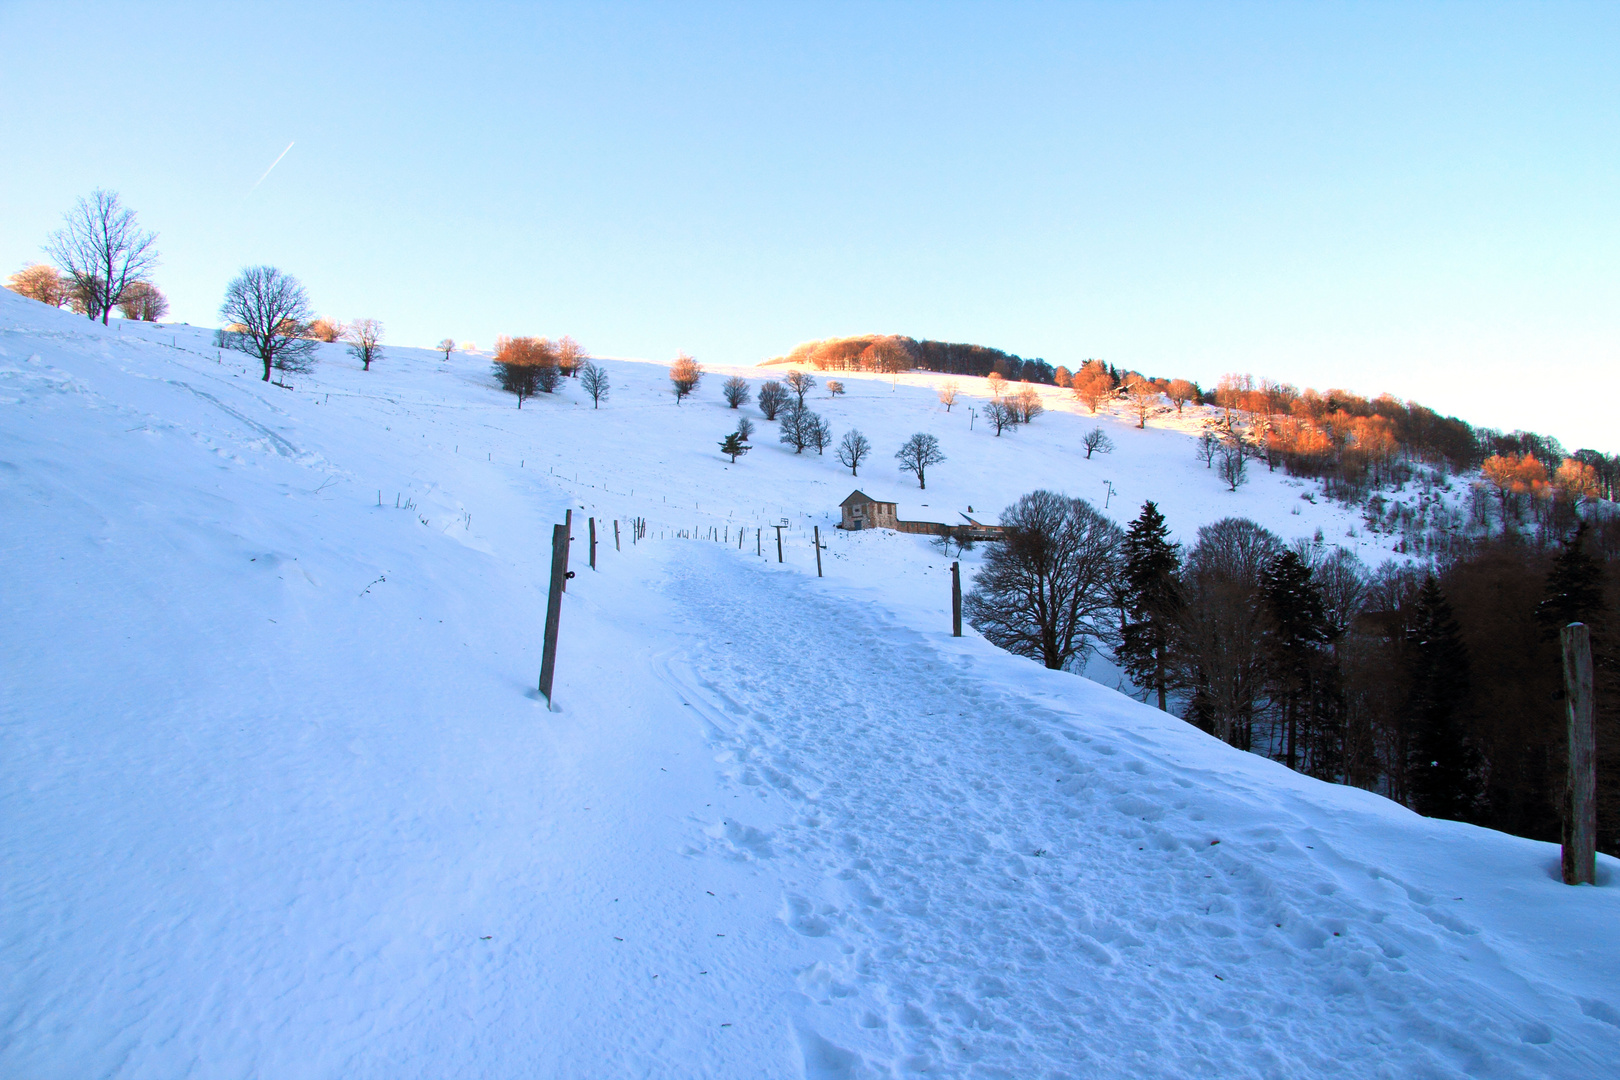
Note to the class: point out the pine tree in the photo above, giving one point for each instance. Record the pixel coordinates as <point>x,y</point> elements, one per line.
<point>1574,586</point>
<point>1153,601</point>
<point>733,444</point>
<point>1298,629</point>
<point>1443,768</point>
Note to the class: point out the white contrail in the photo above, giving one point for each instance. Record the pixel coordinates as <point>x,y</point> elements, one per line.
<point>273,164</point>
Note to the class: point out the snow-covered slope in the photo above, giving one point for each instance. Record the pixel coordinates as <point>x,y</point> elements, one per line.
<point>277,797</point>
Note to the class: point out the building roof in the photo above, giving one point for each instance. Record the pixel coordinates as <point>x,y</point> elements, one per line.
<point>859,497</point>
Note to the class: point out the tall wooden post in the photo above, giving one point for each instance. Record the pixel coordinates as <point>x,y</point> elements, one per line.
<point>559,578</point>
<point>778,529</point>
<point>568,538</point>
<point>1580,796</point>
<point>759,539</point>
<point>593,543</point>
<point>818,550</point>
<point>615,534</point>
<point>956,600</point>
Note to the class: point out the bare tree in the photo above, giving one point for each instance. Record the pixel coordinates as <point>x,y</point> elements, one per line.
<point>773,397</point>
<point>684,375</point>
<point>1002,416</point>
<point>447,346</point>
<point>735,391</point>
<point>834,387</point>
<point>853,449</point>
<point>143,301</point>
<point>1097,442</point>
<point>525,366</point>
<point>1234,459</point>
<point>1026,403</point>
<point>570,355</point>
<point>324,329</point>
<point>797,426</point>
<point>948,391</point>
<point>1142,398</point>
<point>1221,642</point>
<point>745,428</point>
<point>1180,392</point>
<point>917,453</point>
<point>1093,386</point>
<point>818,431</point>
<point>1047,589</point>
<point>365,341</point>
<point>1206,448</point>
<point>102,251</point>
<point>270,313</point>
<point>593,379</point>
<point>996,384</point>
<point>39,282</point>
<point>799,383</point>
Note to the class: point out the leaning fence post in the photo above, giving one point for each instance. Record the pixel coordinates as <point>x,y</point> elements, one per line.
<point>593,543</point>
<point>559,578</point>
<point>956,600</point>
<point>1580,794</point>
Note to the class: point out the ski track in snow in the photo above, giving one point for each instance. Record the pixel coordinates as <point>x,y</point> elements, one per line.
<point>914,801</point>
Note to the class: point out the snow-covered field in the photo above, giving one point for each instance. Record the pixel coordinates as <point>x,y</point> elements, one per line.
<point>277,797</point>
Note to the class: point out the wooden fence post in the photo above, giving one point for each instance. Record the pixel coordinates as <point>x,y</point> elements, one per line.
<point>1580,796</point>
<point>568,539</point>
<point>956,600</point>
<point>759,539</point>
<point>593,543</point>
<point>818,550</point>
<point>559,578</point>
<point>778,529</point>
<point>615,534</point>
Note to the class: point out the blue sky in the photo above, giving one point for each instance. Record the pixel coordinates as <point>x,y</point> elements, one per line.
<point>1419,199</point>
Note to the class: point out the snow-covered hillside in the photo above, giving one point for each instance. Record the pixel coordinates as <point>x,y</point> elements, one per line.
<point>278,798</point>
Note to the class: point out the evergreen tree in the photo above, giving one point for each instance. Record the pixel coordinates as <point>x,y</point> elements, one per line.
<point>1153,601</point>
<point>1574,587</point>
<point>733,444</point>
<point>1443,767</point>
<point>1297,630</point>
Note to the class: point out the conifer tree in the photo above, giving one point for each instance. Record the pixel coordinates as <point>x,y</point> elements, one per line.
<point>733,444</point>
<point>1298,629</point>
<point>1443,765</point>
<point>1574,586</point>
<point>1153,601</point>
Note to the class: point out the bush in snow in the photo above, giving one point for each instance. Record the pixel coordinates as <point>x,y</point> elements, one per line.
<point>773,396</point>
<point>735,391</point>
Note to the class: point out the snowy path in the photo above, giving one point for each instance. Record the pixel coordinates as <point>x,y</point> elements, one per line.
<point>1003,892</point>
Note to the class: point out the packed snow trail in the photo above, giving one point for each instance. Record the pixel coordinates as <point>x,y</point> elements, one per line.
<point>1005,890</point>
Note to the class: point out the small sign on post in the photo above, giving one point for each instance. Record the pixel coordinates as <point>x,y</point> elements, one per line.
<point>559,578</point>
<point>1580,796</point>
<point>956,600</point>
